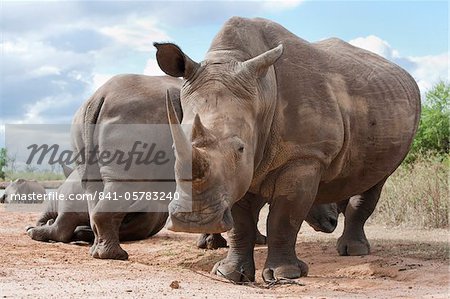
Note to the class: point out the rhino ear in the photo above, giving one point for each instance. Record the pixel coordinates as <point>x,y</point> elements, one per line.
<point>260,64</point>
<point>173,61</point>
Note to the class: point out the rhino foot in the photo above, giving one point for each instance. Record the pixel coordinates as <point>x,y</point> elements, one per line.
<point>39,233</point>
<point>275,271</point>
<point>346,246</point>
<point>211,241</point>
<point>240,270</point>
<point>113,251</point>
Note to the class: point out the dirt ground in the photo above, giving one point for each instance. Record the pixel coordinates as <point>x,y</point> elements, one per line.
<point>404,263</point>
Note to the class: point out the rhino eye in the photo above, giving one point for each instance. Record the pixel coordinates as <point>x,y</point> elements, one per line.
<point>241,149</point>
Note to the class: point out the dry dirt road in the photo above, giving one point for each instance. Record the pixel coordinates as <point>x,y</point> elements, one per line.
<point>404,263</point>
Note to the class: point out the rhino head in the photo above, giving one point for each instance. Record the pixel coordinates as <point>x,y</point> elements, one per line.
<point>228,101</point>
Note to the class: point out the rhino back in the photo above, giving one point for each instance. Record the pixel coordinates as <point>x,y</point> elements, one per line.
<point>137,99</point>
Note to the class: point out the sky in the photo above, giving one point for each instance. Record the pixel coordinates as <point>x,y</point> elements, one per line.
<point>55,54</point>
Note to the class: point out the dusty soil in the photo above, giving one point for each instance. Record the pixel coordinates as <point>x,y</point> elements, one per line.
<point>404,263</point>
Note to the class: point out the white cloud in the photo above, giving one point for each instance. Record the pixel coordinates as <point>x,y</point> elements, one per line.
<point>46,80</point>
<point>426,70</point>
<point>136,33</point>
<point>34,111</point>
<point>33,58</point>
<point>152,68</point>
<point>45,70</point>
<point>376,45</point>
<point>430,69</point>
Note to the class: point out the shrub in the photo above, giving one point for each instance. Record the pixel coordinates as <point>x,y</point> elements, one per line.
<point>3,163</point>
<point>433,134</point>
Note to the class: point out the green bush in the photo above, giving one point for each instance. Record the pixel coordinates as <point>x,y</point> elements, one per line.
<point>3,163</point>
<point>433,134</point>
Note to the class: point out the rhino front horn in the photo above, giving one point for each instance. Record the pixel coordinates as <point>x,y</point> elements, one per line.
<point>180,142</point>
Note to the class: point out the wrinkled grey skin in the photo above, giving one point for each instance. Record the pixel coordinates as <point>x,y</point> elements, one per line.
<point>321,217</point>
<point>280,120</point>
<point>21,187</point>
<point>67,221</point>
<point>125,99</point>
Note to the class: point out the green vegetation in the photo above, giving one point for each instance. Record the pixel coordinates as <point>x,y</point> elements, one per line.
<point>3,163</point>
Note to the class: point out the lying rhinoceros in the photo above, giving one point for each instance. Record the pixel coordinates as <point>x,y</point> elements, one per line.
<point>23,191</point>
<point>105,121</point>
<point>280,120</point>
<point>68,220</point>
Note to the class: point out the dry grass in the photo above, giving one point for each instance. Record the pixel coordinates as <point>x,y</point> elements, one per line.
<point>416,195</point>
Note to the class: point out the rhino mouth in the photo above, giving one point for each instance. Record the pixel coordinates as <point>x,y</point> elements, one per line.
<point>213,219</point>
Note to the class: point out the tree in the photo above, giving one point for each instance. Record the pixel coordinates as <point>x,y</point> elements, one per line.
<point>433,133</point>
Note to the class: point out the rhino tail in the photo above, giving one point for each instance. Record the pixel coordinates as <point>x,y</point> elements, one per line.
<point>88,170</point>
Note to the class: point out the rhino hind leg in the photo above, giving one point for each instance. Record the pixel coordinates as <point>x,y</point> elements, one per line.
<point>359,208</point>
<point>60,229</point>
<point>106,226</point>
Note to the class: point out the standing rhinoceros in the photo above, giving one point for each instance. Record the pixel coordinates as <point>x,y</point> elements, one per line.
<point>278,119</point>
<point>23,191</point>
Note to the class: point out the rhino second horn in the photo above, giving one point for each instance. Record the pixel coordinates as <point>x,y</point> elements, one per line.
<point>180,142</point>
<point>261,63</point>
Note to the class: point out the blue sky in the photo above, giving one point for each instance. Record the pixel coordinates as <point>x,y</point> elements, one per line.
<point>55,54</point>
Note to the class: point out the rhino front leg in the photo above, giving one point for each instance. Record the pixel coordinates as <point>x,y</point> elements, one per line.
<point>359,208</point>
<point>239,265</point>
<point>295,193</point>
